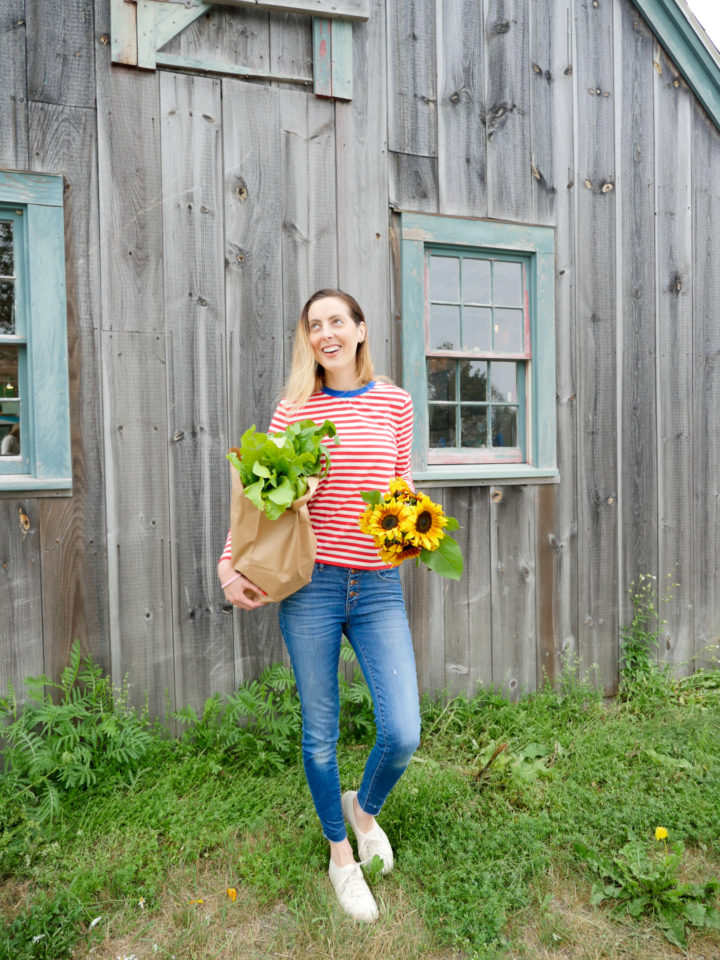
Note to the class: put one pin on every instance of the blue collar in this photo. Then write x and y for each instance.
(349, 393)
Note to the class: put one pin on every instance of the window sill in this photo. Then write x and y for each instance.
(11, 486)
(477, 475)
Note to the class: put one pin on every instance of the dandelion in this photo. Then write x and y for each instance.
(198, 900)
(661, 833)
(141, 903)
(232, 893)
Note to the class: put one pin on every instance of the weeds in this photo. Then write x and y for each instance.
(642, 681)
(646, 882)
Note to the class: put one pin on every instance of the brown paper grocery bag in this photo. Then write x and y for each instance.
(277, 555)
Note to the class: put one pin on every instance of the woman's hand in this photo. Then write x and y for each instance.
(240, 592)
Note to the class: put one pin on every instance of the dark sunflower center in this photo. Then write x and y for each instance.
(389, 521)
(424, 522)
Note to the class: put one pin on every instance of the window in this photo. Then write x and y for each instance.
(479, 348)
(34, 416)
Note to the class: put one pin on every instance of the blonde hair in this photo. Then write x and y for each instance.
(306, 374)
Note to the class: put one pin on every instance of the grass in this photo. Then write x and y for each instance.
(486, 861)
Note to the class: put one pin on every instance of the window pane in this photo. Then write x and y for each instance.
(503, 381)
(508, 284)
(476, 324)
(9, 402)
(504, 426)
(7, 268)
(442, 425)
(444, 327)
(473, 380)
(474, 426)
(476, 281)
(508, 330)
(445, 278)
(441, 379)
(7, 303)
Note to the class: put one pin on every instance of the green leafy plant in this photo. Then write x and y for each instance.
(258, 725)
(641, 679)
(274, 468)
(54, 746)
(640, 883)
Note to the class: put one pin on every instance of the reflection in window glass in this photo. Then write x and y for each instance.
(442, 425)
(441, 379)
(476, 281)
(507, 284)
(7, 307)
(445, 279)
(503, 381)
(444, 327)
(473, 426)
(9, 402)
(473, 380)
(7, 266)
(477, 329)
(508, 330)
(504, 426)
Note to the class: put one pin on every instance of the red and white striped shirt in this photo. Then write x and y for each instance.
(374, 426)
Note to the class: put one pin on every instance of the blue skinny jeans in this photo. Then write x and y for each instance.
(368, 607)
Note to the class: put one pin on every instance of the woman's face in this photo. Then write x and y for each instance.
(334, 337)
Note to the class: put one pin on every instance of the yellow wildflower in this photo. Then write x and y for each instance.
(660, 833)
(199, 900)
(232, 893)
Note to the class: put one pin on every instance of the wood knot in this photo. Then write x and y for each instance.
(496, 494)
(24, 520)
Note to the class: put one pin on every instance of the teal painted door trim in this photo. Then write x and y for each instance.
(332, 58)
(700, 66)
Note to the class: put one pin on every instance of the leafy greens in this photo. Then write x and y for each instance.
(274, 467)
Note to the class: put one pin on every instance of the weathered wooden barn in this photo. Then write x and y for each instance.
(525, 197)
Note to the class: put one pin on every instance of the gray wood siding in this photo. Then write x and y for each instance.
(202, 210)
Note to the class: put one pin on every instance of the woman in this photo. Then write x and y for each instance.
(352, 591)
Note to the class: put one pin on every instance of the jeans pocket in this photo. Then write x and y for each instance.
(392, 574)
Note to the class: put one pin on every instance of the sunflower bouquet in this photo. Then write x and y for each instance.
(406, 524)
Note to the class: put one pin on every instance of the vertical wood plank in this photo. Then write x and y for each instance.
(21, 643)
(462, 160)
(507, 109)
(72, 529)
(191, 110)
(255, 332)
(123, 30)
(414, 183)
(412, 77)
(134, 378)
(673, 175)
(425, 603)
(342, 59)
(136, 472)
(146, 39)
(597, 352)
(291, 45)
(362, 189)
(60, 52)
(322, 57)
(309, 210)
(237, 36)
(13, 94)
(512, 561)
(467, 626)
(637, 416)
(705, 152)
(551, 100)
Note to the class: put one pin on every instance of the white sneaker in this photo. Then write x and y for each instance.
(352, 892)
(369, 844)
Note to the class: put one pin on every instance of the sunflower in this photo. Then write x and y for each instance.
(387, 521)
(428, 522)
(399, 490)
(395, 553)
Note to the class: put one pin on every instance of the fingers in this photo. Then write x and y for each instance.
(245, 595)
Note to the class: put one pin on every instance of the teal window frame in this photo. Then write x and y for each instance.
(534, 246)
(35, 203)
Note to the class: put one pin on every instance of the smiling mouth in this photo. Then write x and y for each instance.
(331, 351)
